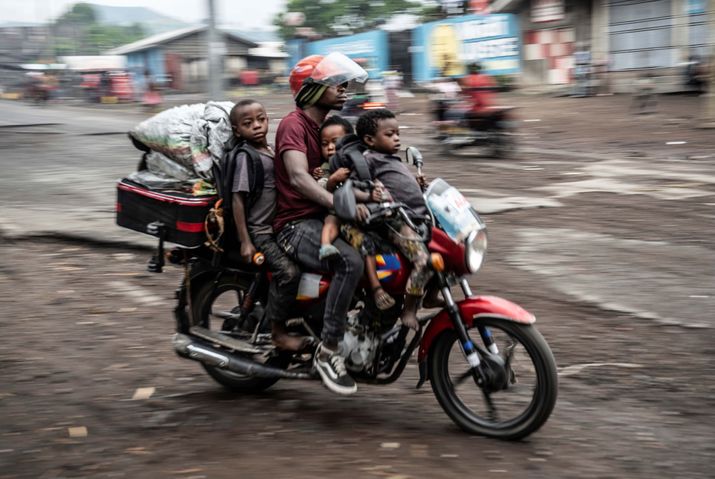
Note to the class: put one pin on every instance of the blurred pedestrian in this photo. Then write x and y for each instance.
(583, 71)
(446, 94)
(695, 74)
(105, 85)
(152, 97)
(644, 100)
(139, 84)
(602, 70)
(392, 81)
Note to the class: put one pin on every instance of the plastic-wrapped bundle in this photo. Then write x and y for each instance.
(191, 135)
(158, 181)
(169, 132)
(220, 134)
(162, 165)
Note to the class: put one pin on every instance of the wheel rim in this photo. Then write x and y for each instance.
(501, 409)
(224, 301)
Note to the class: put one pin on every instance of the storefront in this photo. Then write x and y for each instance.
(641, 34)
(553, 31)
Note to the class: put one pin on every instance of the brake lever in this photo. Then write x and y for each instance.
(407, 219)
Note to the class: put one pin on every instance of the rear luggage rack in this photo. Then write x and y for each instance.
(156, 263)
(173, 216)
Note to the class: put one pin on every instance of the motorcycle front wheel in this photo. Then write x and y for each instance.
(511, 412)
(211, 302)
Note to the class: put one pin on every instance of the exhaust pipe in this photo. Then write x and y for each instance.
(193, 348)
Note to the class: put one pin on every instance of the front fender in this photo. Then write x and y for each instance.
(471, 309)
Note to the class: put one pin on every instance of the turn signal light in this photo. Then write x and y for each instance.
(437, 262)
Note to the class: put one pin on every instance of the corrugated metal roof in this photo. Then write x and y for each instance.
(166, 37)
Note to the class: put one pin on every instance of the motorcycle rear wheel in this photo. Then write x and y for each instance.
(531, 396)
(210, 298)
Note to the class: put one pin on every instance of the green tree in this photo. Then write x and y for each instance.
(336, 17)
(78, 14)
(77, 32)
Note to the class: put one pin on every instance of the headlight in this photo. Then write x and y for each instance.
(475, 248)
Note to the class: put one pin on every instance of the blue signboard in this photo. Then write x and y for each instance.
(443, 48)
(369, 49)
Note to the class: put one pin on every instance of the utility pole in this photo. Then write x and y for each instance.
(709, 116)
(215, 56)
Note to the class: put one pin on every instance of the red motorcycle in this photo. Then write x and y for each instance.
(490, 369)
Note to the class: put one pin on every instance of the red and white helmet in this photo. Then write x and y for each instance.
(302, 70)
(330, 70)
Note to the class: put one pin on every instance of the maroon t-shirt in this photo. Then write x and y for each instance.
(297, 131)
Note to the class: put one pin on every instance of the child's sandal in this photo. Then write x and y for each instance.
(383, 300)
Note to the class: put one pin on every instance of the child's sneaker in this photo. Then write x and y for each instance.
(331, 367)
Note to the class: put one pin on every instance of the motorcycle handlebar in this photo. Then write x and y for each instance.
(386, 209)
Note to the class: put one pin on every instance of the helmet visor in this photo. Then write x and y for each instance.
(336, 69)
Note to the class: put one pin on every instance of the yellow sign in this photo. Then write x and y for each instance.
(444, 49)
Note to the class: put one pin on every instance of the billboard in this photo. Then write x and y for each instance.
(369, 49)
(444, 47)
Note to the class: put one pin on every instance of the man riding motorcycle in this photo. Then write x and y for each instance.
(319, 85)
(479, 88)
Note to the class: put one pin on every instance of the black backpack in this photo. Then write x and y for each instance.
(224, 174)
(349, 154)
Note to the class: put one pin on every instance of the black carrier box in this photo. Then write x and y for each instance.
(181, 214)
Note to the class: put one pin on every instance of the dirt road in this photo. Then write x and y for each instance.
(598, 227)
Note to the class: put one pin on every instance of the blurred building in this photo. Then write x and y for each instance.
(623, 37)
(180, 57)
(21, 44)
(597, 45)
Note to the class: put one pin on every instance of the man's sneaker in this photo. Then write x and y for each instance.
(332, 371)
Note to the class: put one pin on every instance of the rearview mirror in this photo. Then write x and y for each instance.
(414, 156)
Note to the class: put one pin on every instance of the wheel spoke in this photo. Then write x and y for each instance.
(492, 412)
(224, 315)
(462, 377)
(491, 408)
(508, 356)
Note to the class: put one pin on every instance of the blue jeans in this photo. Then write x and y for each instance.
(301, 241)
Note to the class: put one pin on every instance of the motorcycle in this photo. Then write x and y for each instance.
(494, 130)
(490, 369)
